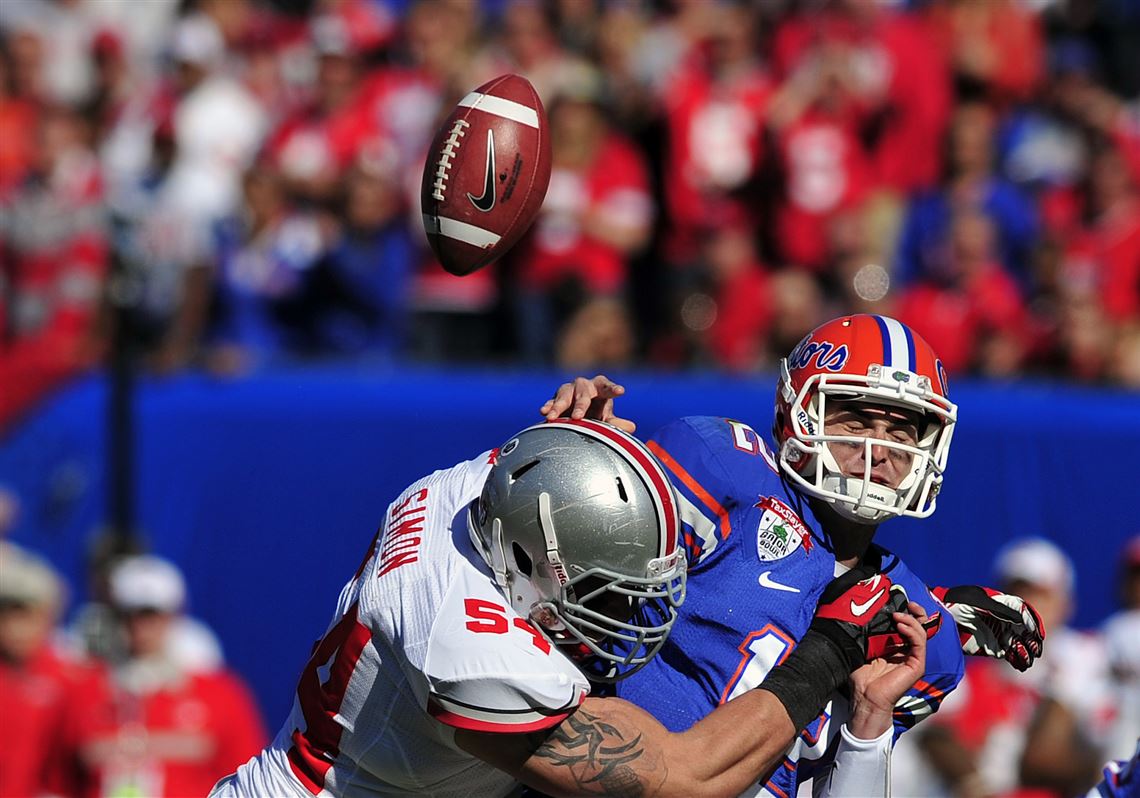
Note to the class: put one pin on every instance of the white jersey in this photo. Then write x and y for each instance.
(422, 643)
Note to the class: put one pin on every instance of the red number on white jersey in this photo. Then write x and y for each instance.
(491, 618)
(320, 693)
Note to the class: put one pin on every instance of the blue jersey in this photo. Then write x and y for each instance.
(1121, 779)
(758, 563)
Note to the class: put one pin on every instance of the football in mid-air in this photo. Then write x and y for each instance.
(486, 174)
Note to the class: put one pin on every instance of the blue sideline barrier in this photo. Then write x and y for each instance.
(267, 491)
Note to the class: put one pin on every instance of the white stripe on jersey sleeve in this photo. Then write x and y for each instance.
(703, 528)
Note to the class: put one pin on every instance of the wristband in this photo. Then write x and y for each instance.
(804, 682)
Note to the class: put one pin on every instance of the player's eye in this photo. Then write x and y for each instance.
(905, 435)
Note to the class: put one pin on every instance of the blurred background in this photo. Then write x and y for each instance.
(224, 341)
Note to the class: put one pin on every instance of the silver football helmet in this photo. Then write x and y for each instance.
(580, 526)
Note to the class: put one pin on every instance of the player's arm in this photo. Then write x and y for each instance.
(861, 765)
(610, 746)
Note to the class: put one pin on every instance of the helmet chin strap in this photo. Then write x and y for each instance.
(835, 481)
(853, 488)
(553, 553)
(498, 557)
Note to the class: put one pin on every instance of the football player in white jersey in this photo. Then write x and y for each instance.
(461, 656)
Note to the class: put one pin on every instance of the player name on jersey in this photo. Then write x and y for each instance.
(404, 532)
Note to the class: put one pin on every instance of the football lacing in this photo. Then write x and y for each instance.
(458, 131)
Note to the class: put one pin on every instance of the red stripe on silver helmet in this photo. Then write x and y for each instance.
(644, 463)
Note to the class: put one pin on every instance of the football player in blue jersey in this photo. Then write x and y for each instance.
(862, 432)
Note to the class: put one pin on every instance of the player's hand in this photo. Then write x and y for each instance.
(856, 610)
(588, 398)
(877, 686)
(992, 624)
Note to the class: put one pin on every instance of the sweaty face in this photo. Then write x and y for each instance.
(889, 465)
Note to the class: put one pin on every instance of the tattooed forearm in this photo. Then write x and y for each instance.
(600, 757)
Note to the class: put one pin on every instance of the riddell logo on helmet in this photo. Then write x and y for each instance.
(805, 421)
(827, 356)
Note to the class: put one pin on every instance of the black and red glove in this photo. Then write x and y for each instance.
(993, 624)
(860, 604)
(854, 623)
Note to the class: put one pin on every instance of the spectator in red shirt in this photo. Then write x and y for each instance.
(53, 261)
(994, 46)
(725, 315)
(1098, 280)
(312, 148)
(714, 110)
(897, 79)
(972, 311)
(825, 169)
(1037, 734)
(17, 128)
(597, 215)
(1115, 233)
(40, 690)
(162, 730)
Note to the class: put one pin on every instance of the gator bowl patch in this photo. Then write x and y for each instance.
(781, 531)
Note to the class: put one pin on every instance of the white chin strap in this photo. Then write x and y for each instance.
(855, 510)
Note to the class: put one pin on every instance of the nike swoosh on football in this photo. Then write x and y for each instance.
(486, 202)
(767, 581)
(859, 609)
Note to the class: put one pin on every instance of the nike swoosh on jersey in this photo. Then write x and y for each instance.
(486, 202)
(767, 581)
(859, 609)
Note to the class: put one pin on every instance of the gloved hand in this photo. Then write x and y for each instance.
(993, 624)
(856, 612)
(854, 622)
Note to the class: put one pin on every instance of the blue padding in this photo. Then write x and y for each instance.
(267, 491)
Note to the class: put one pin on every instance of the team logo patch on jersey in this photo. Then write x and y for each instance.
(781, 531)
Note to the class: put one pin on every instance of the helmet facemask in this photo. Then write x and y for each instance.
(613, 625)
(807, 459)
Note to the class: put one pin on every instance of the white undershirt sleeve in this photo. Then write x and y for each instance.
(861, 767)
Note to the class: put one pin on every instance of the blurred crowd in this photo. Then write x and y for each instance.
(230, 184)
(1047, 732)
(130, 699)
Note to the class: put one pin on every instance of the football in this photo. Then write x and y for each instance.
(486, 174)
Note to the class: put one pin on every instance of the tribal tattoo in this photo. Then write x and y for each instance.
(600, 757)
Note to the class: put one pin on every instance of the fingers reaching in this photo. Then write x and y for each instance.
(557, 404)
(587, 398)
(910, 627)
(597, 393)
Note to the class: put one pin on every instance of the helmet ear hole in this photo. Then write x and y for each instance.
(522, 560)
(517, 474)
